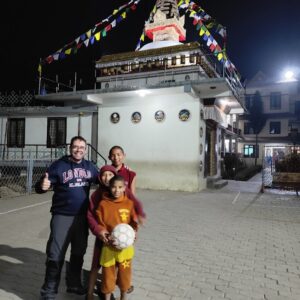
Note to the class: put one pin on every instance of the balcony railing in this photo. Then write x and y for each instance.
(234, 129)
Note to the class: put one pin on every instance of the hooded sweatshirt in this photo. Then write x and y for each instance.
(71, 185)
(97, 196)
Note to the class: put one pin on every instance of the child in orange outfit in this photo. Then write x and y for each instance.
(106, 173)
(113, 209)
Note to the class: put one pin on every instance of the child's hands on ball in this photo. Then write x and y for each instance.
(105, 236)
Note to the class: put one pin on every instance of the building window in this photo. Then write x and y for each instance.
(275, 101)
(248, 129)
(248, 101)
(275, 127)
(16, 133)
(56, 132)
(251, 151)
(297, 110)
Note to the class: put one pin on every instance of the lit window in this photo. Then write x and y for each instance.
(250, 151)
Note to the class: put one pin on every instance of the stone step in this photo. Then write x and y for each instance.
(215, 182)
(221, 183)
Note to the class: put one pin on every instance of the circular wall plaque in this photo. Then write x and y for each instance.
(201, 114)
(115, 117)
(201, 166)
(159, 116)
(136, 117)
(184, 115)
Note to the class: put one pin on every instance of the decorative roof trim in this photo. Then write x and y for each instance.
(148, 53)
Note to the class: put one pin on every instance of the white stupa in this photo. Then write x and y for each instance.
(165, 27)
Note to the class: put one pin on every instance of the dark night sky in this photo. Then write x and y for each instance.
(262, 35)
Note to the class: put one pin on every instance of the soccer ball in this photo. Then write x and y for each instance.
(123, 236)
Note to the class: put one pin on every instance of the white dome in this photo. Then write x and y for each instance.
(159, 44)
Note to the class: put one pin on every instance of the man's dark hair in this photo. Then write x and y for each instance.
(116, 178)
(78, 137)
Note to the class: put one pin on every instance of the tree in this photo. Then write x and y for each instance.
(257, 118)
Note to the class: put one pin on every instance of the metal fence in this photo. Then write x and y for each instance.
(18, 177)
(272, 155)
(21, 168)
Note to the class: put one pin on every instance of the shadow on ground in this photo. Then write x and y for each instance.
(22, 272)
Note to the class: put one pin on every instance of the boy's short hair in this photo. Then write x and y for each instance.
(78, 137)
(115, 147)
(116, 178)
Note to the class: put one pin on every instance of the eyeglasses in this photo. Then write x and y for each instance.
(78, 147)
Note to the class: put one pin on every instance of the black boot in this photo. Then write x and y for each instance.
(73, 276)
(52, 279)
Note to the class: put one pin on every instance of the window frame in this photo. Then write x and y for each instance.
(255, 151)
(275, 101)
(250, 130)
(18, 130)
(277, 128)
(248, 101)
(59, 142)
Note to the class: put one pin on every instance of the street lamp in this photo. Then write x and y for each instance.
(289, 75)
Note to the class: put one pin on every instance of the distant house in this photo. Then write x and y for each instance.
(282, 108)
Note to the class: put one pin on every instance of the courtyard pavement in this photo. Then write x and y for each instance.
(234, 243)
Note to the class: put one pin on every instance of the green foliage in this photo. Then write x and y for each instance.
(291, 164)
(232, 164)
(256, 115)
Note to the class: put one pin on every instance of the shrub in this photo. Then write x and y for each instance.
(291, 164)
(233, 163)
(247, 173)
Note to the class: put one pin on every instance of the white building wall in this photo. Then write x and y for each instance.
(36, 129)
(165, 154)
(86, 127)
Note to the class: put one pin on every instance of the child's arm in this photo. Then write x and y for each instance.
(133, 186)
(91, 215)
(138, 206)
(134, 219)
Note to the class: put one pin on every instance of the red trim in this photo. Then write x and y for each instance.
(149, 32)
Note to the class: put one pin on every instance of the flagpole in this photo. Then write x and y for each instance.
(40, 76)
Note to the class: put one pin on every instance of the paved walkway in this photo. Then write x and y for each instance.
(232, 244)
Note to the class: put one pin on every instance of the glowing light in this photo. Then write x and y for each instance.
(288, 75)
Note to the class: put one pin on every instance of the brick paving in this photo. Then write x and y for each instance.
(232, 244)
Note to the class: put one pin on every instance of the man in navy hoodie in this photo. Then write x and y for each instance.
(71, 178)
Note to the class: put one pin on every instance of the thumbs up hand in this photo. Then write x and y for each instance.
(45, 184)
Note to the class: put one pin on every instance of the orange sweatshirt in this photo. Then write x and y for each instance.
(112, 212)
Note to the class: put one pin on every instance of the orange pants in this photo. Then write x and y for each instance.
(120, 273)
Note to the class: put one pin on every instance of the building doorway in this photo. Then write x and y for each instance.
(210, 150)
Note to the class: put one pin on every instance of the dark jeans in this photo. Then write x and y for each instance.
(64, 230)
